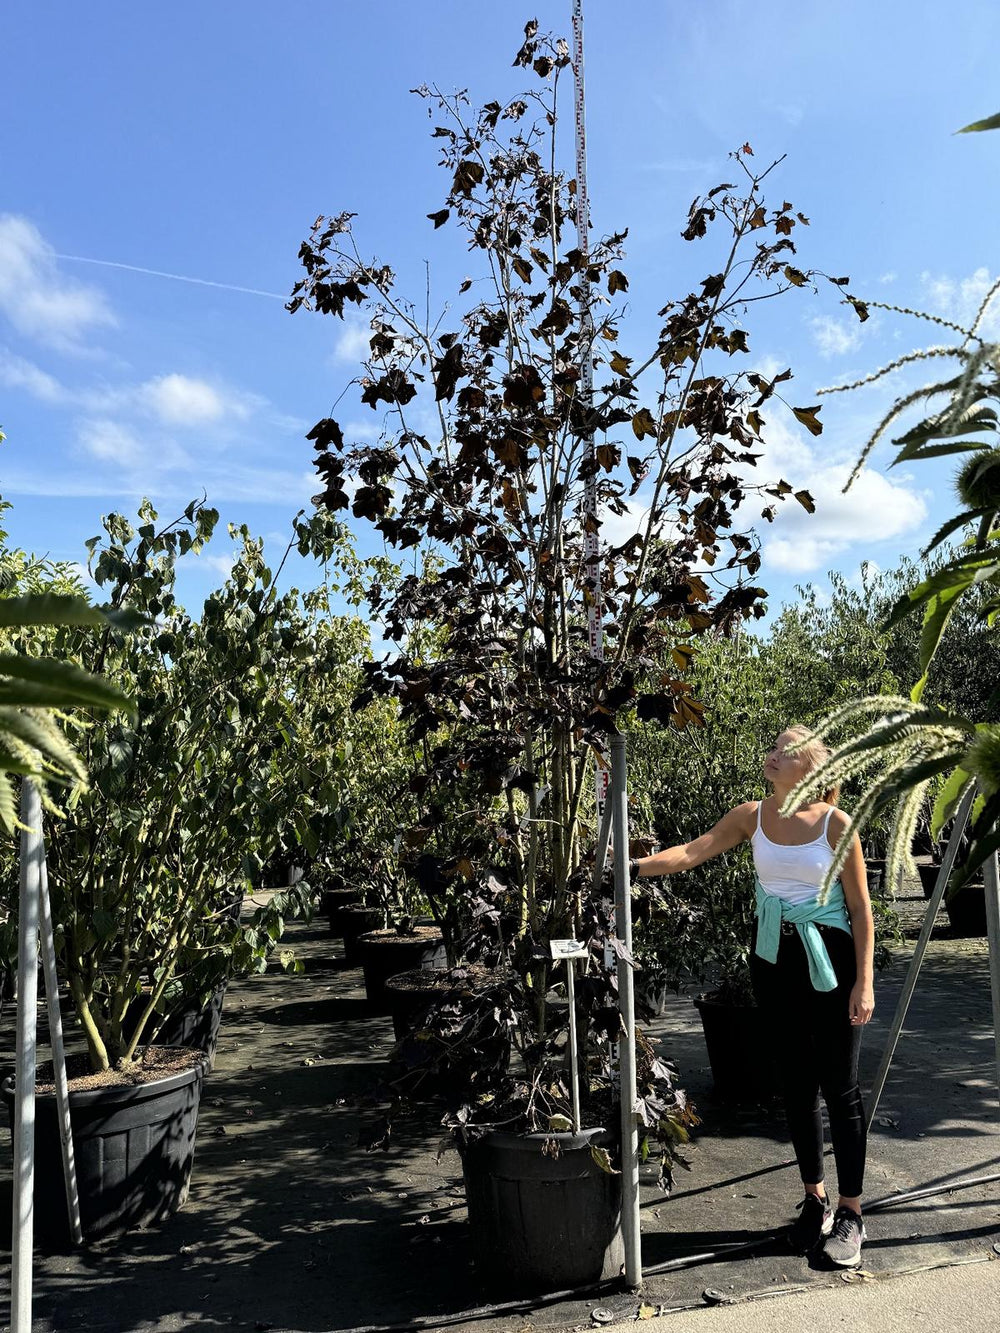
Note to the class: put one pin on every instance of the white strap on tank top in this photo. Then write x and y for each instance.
(826, 826)
(793, 872)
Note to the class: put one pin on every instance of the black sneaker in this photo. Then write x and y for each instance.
(843, 1245)
(815, 1222)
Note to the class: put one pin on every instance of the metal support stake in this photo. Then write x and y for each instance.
(909, 985)
(58, 1056)
(25, 1050)
(574, 1063)
(626, 1000)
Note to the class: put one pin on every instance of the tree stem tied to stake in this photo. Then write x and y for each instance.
(591, 533)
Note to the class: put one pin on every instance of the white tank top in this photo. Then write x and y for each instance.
(793, 873)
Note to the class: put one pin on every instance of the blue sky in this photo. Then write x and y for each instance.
(202, 140)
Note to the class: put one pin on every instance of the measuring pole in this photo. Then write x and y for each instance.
(591, 536)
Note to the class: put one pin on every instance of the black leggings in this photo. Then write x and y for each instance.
(815, 1048)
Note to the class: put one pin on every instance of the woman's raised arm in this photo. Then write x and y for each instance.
(732, 829)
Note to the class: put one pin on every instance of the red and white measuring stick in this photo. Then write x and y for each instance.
(591, 538)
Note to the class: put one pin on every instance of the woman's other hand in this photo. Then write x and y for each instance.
(862, 1002)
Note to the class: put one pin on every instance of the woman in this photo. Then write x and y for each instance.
(812, 974)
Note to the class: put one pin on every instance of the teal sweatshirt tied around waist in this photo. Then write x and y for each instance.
(771, 911)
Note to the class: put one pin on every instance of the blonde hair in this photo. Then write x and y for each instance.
(817, 753)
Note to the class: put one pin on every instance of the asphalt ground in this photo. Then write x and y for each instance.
(290, 1226)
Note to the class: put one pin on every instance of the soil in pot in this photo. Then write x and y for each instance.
(542, 1221)
(385, 953)
(738, 1051)
(133, 1140)
(349, 923)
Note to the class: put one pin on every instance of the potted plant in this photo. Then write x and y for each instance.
(510, 493)
(147, 868)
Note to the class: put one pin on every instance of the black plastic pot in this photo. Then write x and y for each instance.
(134, 1149)
(408, 1003)
(332, 900)
(190, 1023)
(385, 953)
(967, 912)
(352, 922)
(738, 1051)
(541, 1222)
(469, 1052)
(194, 1025)
(928, 878)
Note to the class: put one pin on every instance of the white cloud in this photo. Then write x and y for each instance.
(616, 529)
(17, 373)
(142, 455)
(173, 399)
(790, 112)
(220, 564)
(82, 573)
(110, 442)
(959, 299)
(891, 276)
(834, 337)
(181, 401)
(353, 342)
(768, 366)
(875, 509)
(362, 430)
(39, 301)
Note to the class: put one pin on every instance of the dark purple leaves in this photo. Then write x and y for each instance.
(326, 434)
(447, 370)
(468, 174)
(392, 387)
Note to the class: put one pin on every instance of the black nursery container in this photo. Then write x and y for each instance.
(385, 953)
(190, 1024)
(928, 878)
(542, 1222)
(353, 922)
(195, 1025)
(742, 1065)
(967, 911)
(134, 1150)
(332, 901)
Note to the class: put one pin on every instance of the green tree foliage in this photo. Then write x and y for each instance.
(38, 690)
(235, 748)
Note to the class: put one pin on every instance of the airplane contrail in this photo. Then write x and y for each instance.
(176, 277)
